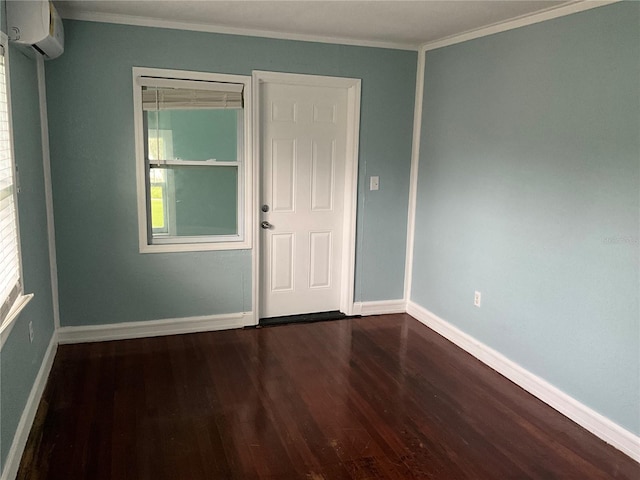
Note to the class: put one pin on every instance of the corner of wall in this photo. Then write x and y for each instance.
(413, 174)
(594, 422)
(12, 462)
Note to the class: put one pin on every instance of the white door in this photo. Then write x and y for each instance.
(303, 142)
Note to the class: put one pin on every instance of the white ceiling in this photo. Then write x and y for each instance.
(401, 23)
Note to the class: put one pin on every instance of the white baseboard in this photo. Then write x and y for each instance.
(380, 307)
(153, 328)
(584, 416)
(21, 436)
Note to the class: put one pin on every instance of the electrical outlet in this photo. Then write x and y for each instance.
(31, 331)
(477, 298)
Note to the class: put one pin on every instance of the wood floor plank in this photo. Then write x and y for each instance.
(372, 398)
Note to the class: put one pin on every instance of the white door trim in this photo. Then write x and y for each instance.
(353, 86)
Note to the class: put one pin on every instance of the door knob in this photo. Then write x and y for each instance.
(266, 225)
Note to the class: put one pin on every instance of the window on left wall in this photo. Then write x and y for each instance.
(12, 296)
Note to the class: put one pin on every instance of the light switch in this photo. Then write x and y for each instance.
(374, 183)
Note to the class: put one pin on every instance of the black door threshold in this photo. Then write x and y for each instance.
(303, 318)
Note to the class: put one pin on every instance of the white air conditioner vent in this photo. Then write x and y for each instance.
(38, 24)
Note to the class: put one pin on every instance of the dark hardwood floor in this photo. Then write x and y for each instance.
(370, 398)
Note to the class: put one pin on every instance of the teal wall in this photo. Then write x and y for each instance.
(102, 276)
(20, 360)
(529, 193)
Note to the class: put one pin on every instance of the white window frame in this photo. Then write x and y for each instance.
(8, 320)
(241, 241)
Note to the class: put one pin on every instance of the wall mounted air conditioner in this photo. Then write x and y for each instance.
(38, 24)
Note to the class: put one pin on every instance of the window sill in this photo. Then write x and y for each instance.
(194, 247)
(9, 321)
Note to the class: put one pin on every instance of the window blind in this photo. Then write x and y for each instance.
(166, 94)
(10, 288)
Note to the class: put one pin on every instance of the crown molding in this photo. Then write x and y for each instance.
(529, 19)
(568, 8)
(200, 27)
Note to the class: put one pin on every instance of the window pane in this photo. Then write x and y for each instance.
(202, 134)
(157, 207)
(199, 201)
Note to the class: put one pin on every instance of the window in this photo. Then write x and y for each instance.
(193, 162)
(12, 297)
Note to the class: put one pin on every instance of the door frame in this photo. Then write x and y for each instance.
(348, 261)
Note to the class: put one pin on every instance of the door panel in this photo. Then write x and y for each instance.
(322, 175)
(320, 260)
(283, 174)
(282, 254)
(303, 138)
